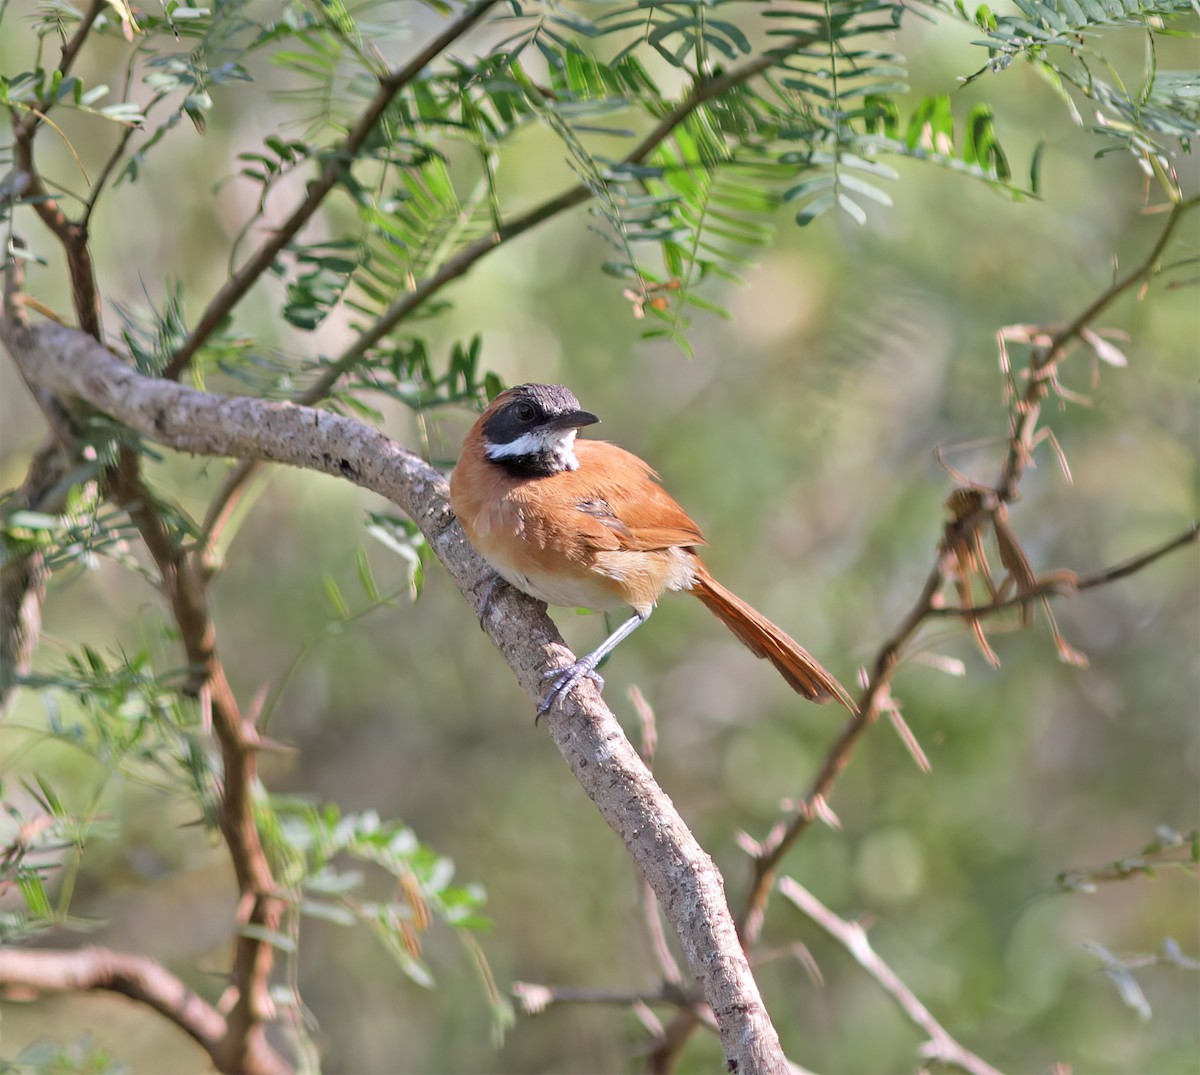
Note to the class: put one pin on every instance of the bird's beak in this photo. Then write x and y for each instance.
(572, 420)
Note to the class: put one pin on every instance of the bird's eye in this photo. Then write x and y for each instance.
(526, 412)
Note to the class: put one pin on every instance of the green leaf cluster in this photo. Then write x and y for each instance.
(1064, 40)
(312, 843)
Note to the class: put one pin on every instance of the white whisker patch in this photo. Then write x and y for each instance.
(556, 444)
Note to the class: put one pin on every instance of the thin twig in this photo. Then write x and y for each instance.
(73, 47)
(225, 500)
(870, 707)
(851, 935)
(114, 157)
(237, 286)
(787, 831)
(105, 172)
(70, 53)
(535, 998)
(1026, 414)
(1169, 849)
(668, 968)
(1069, 586)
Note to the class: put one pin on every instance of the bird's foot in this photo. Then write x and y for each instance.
(565, 679)
(488, 585)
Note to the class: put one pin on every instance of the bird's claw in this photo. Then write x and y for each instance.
(488, 584)
(565, 679)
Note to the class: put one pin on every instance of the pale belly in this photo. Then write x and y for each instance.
(554, 589)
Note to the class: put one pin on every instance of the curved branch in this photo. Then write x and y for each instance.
(137, 977)
(683, 876)
(462, 262)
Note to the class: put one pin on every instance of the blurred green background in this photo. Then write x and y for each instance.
(800, 438)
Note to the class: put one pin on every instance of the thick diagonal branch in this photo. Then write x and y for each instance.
(683, 876)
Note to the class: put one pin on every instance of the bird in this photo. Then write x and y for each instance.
(586, 524)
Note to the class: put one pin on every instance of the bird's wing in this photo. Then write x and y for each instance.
(623, 505)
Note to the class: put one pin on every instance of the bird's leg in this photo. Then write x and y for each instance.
(566, 678)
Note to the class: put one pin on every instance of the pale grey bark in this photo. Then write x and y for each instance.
(688, 885)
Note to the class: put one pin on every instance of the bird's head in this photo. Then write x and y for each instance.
(531, 428)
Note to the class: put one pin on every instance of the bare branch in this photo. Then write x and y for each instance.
(958, 532)
(236, 287)
(1026, 414)
(137, 977)
(1068, 584)
(941, 1046)
(871, 705)
(686, 881)
(535, 998)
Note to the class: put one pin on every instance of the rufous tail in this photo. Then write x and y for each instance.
(802, 671)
